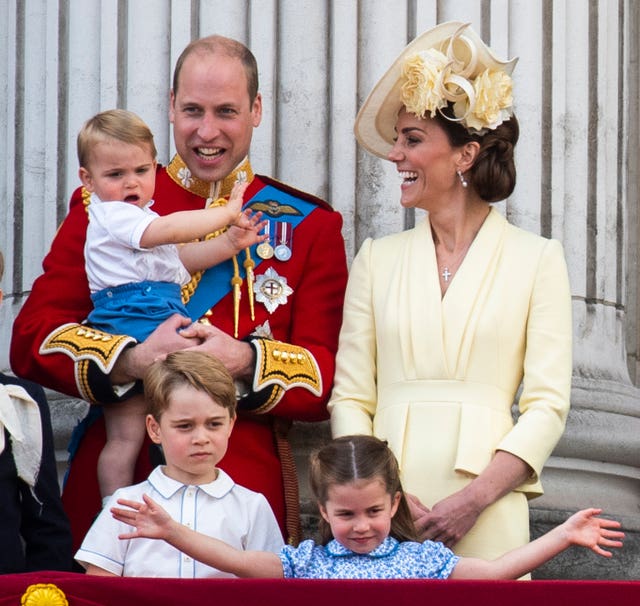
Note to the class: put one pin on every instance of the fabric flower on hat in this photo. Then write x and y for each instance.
(482, 100)
(422, 86)
(493, 101)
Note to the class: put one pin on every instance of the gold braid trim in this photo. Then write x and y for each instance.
(189, 288)
(249, 264)
(236, 281)
(236, 284)
(82, 381)
(81, 342)
(86, 197)
(285, 365)
(276, 395)
(180, 174)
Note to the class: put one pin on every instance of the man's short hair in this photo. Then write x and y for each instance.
(215, 44)
(197, 369)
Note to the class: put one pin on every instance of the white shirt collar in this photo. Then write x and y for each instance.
(167, 486)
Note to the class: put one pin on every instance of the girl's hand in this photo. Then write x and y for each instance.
(151, 521)
(584, 528)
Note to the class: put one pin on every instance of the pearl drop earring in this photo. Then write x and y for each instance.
(463, 181)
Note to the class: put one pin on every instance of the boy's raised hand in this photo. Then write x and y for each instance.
(151, 521)
(584, 528)
(245, 232)
(234, 205)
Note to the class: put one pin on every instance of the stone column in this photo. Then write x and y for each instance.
(586, 139)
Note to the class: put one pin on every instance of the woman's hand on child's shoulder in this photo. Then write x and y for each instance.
(586, 529)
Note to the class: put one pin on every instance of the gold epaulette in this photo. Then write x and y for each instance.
(81, 342)
(285, 365)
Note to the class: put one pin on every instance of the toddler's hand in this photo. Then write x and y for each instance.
(245, 232)
(234, 206)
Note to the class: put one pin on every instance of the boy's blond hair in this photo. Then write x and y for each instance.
(113, 124)
(194, 368)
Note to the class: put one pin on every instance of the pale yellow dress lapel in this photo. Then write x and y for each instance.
(468, 292)
(418, 290)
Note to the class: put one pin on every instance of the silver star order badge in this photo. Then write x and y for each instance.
(272, 290)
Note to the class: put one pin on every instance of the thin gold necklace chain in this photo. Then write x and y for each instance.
(449, 269)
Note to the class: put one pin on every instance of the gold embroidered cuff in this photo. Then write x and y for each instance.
(81, 342)
(286, 366)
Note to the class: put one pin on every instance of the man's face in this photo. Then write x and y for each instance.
(212, 116)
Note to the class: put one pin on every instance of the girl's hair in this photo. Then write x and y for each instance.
(351, 458)
(113, 124)
(193, 368)
(493, 174)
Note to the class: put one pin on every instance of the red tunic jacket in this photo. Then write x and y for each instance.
(295, 362)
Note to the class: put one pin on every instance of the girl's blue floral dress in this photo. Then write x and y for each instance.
(390, 560)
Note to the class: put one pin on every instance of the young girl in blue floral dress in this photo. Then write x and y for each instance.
(366, 529)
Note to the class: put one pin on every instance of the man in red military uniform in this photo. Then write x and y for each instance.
(271, 315)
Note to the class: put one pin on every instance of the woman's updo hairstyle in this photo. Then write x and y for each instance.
(493, 174)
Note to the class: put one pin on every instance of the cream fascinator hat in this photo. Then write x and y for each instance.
(449, 63)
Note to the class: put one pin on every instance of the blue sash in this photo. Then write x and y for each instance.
(215, 283)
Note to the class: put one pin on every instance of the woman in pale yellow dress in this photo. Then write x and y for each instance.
(444, 322)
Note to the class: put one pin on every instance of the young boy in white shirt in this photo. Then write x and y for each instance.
(192, 401)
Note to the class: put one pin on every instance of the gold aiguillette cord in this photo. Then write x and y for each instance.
(236, 280)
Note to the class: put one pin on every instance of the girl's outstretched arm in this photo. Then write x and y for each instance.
(583, 528)
(153, 522)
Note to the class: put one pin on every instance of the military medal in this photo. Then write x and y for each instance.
(264, 249)
(282, 252)
(284, 235)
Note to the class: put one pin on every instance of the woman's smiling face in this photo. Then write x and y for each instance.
(426, 162)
